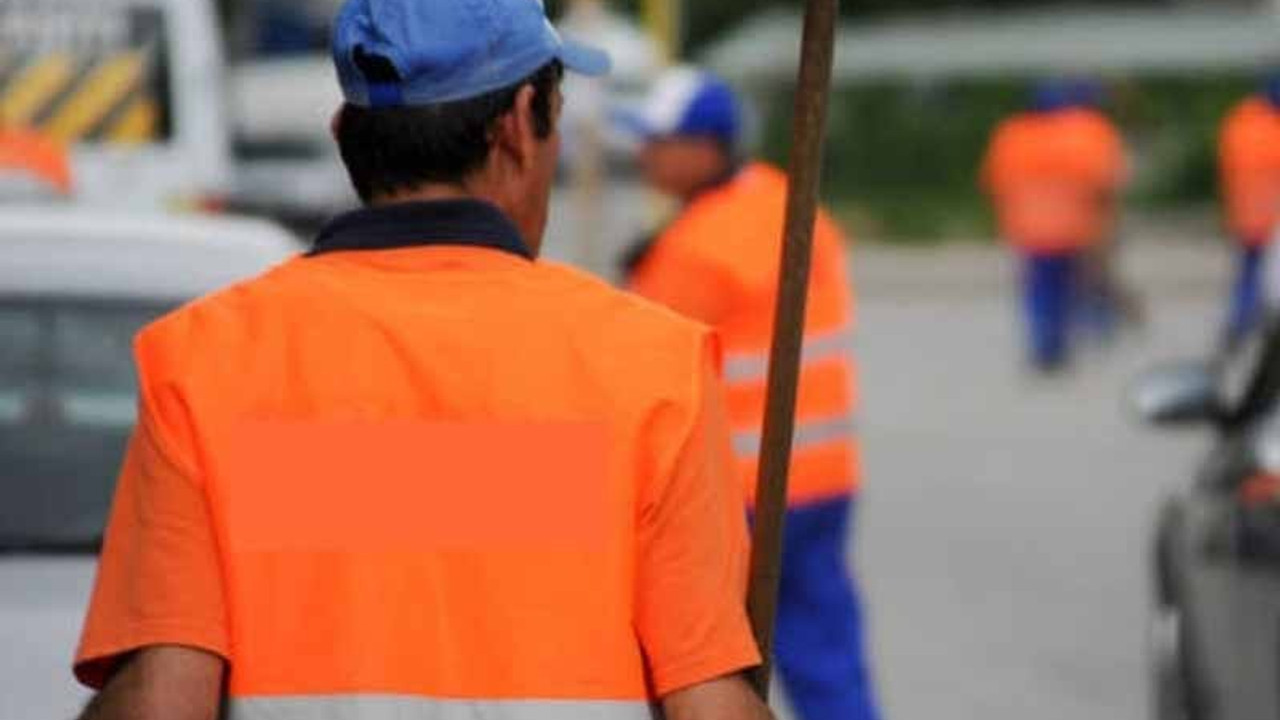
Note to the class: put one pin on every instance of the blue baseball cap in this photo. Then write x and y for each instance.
(1088, 93)
(1049, 96)
(392, 53)
(1067, 93)
(687, 102)
(1271, 89)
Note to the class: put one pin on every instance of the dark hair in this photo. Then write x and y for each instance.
(392, 149)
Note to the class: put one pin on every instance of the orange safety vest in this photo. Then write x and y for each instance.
(1249, 159)
(1048, 173)
(35, 155)
(719, 263)
(422, 475)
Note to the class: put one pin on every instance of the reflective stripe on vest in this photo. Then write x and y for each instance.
(807, 435)
(401, 707)
(818, 347)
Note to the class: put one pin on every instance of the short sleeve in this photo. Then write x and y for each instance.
(692, 567)
(1111, 165)
(991, 173)
(159, 581)
(1119, 170)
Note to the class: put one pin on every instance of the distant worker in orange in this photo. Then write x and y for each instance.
(717, 262)
(1249, 159)
(32, 165)
(1053, 173)
(1107, 302)
(417, 472)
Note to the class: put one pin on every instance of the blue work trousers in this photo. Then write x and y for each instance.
(1246, 294)
(1049, 291)
(819, 642)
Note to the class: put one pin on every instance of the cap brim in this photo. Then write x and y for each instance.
(584, 59)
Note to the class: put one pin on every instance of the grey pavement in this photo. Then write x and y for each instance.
(1003, 531)
(1004, 525)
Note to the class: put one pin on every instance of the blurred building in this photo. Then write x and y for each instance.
(1191, 36)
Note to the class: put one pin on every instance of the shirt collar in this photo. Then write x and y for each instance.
(464, 222)
(730, 174)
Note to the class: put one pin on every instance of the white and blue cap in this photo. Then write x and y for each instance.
(688, 102)
(392, 53)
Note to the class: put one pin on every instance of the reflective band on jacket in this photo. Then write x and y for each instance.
(747, 367)
(738, 300)
(807, 434)
(400, 707)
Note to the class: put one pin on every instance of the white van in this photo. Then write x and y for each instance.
(133, 86)
(76, 284)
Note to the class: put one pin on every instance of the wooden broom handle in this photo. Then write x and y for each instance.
(812, 98)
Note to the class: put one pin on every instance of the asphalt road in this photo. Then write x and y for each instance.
(1003, 532)
(1004, 526)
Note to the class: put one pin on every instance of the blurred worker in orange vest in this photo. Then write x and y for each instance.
(418, 472)
(32, 165)
(718, 263)
(1106, 301)
(1249, 158)
(1054, 173)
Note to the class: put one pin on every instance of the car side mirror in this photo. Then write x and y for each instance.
(1177, 394)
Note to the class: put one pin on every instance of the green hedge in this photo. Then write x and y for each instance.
(706, 20)
(902, 159)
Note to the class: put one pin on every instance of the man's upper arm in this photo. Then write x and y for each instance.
(162, 683)
(692, 565)
(159, 578)
(726, 698)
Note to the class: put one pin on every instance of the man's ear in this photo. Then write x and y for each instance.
(516, 134)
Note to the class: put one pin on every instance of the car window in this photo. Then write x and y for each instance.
(19, 348)
(86, 71)
(279, 150)
(67, 406)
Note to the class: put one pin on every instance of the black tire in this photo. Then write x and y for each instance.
(1170, 693)
(1175, 693)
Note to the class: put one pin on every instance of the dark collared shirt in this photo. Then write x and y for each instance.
(465, 222)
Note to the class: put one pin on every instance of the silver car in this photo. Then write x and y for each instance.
(1215, 565)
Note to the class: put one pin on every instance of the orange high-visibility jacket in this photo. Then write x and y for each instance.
(718, 263)
(36, 154)
(1049, 175)
(419, 474)
(1249, 160)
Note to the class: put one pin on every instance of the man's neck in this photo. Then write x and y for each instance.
(439, 192)
(426, 193)
(723, 176)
